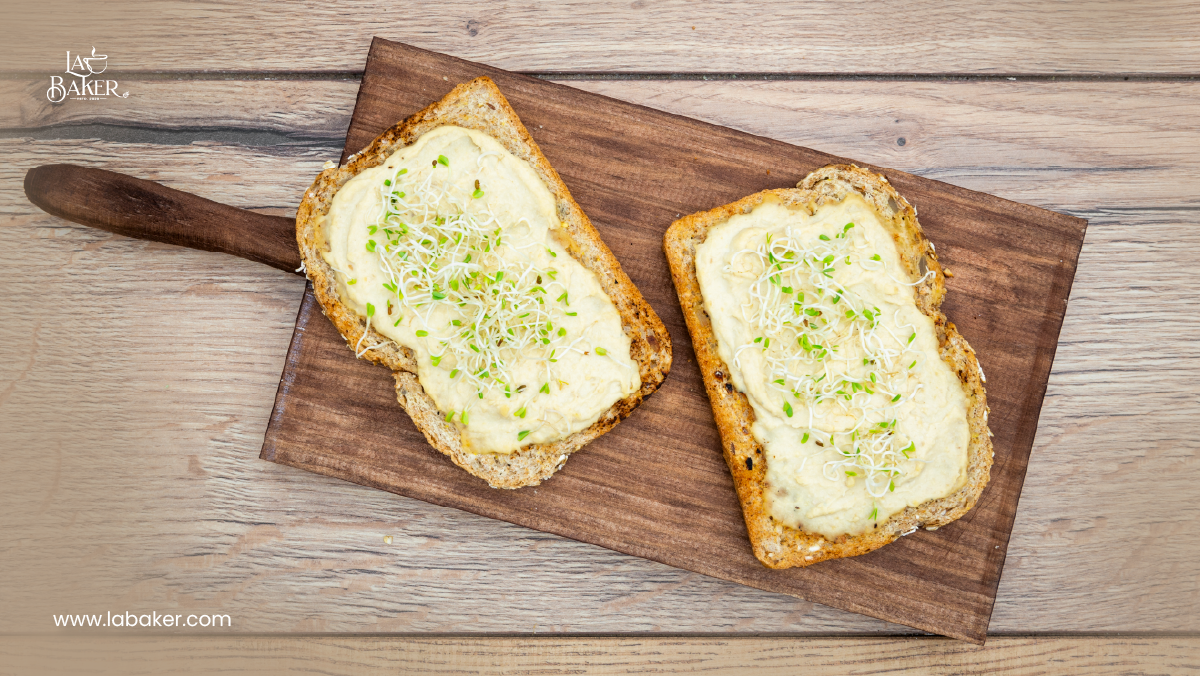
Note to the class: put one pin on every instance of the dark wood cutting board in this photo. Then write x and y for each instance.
(657, 486)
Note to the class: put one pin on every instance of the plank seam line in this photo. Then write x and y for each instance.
(621, 636)
(353, 75)
(182, 136)
(873, 77)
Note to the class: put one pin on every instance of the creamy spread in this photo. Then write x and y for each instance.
(452, 248)
(817, 319)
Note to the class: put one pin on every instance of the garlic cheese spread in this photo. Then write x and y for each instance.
(816, 317)
(452, 248)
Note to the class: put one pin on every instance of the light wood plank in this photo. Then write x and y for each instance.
(91, 654)
(926, 36)
(1077, 145)
(306, 109)
(154, 499)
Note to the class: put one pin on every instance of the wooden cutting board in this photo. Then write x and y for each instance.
(657, 486)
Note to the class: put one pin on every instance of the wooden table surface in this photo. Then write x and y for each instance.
(136, 379)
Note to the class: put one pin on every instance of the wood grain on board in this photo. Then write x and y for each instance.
(149, 493)
(656, 486)
(331, 655)
(748, 36)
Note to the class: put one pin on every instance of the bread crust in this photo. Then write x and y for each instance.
(777, 545)
(479, 105)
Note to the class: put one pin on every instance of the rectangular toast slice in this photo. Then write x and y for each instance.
(479, 105)
(775, 544)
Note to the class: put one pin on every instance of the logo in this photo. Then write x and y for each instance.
(85, 86)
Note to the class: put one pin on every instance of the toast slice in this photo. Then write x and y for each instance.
(479, 105)
(778, 545)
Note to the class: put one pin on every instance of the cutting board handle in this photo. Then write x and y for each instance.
(147, 210)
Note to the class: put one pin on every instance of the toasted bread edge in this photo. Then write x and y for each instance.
(479, 104)
(777, 545)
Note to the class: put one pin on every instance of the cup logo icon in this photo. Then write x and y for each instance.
(82, 68)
